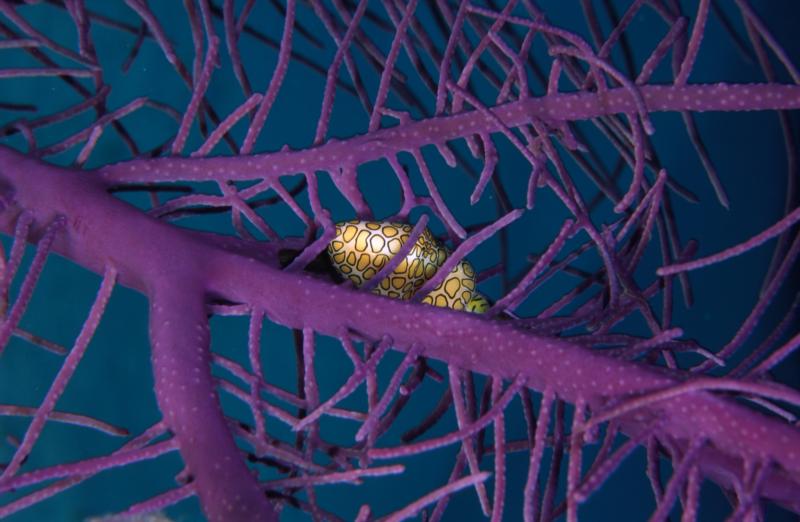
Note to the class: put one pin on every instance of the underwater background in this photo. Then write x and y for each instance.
(114, 381)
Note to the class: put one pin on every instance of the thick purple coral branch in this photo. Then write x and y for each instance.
(185, 392)
(93, 236)
(178, 324)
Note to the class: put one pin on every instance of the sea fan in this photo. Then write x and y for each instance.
(621, 176)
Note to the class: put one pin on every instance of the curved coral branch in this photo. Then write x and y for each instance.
(186, 396)
(178, 325)
(555, 108)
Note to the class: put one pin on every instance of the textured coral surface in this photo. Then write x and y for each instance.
(621, 175)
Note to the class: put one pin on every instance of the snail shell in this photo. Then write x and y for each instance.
(479, 304)
(361, 248)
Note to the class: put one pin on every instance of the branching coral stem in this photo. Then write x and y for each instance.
(414, 135)
(298, 300)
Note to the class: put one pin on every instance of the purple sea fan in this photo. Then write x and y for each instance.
(201, 154)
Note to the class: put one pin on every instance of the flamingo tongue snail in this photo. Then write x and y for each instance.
(361, 248)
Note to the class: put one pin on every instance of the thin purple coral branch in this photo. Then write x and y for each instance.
(385, 142)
